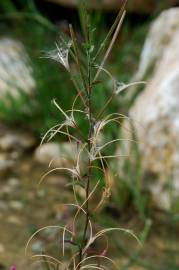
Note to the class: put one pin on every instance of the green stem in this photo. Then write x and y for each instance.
(89, 173)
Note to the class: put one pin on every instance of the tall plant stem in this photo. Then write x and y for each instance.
(89, 169)
(110, 45)
(73, 37)
(78, 90)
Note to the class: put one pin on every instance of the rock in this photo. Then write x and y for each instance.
(138, 6)
(37, 246)
(6, 190)
(16, 205)
(159, 37)
(5, 163)
(14, 220)
(14, 183)
(156, 110)
(13, 143)
(59, 155)
(15, 71)
(11, 186)
(14, 155)
(14, 139)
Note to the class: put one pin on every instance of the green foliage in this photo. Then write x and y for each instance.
(50, 80)
(7, 6)
(39, 112)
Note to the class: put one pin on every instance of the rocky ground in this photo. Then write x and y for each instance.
(25, 207)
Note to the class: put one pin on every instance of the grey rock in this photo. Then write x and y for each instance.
(37, 246)
(13, 140)
(16, 205)
(5, 163)
(14, 220)
(155, 112)
(161, 33)
(15, 70)
(57, 155)
(14, 182)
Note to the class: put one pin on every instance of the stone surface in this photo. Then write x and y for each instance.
(15, 70)
(16, 205)
(14, 183)
(11, 186)
(161, 33)
(58, 155)
(138, 6)
(13, 144)
(14, 220)
(5, 163)
(155, 112)
(16, 140)
(12, 139)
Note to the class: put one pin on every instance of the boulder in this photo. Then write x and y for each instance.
(58, 155)
(12, 139)
(13, 144)
(15, 70)
(138, 6)
(5, 163)
(17, 140)
(155, 112)
(161, 33)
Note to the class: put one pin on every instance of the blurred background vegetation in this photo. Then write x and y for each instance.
(38, 25)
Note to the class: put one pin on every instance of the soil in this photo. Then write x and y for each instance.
(26, 207)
